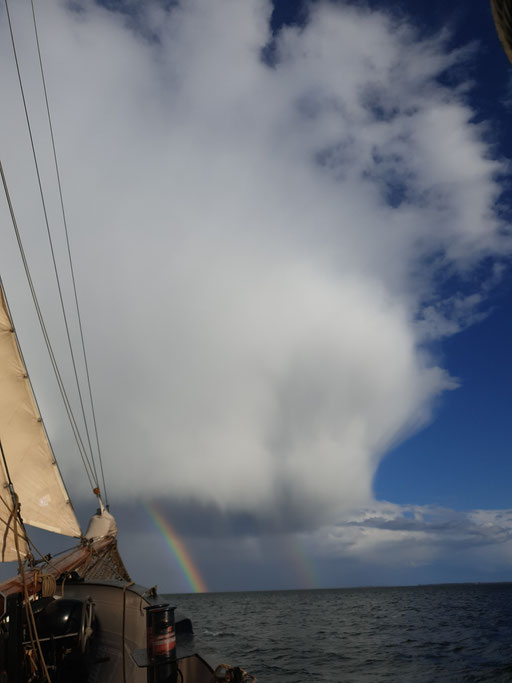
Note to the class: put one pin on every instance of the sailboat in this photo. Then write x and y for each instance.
(77, 616)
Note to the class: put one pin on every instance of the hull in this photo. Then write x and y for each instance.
(109, 647)
(106, 643)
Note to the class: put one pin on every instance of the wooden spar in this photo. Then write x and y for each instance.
(502, 15)
(56, 566)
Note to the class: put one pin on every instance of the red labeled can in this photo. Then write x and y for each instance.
(161, 633)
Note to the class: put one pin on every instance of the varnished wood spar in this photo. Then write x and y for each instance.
(66, 563)
(502, 15)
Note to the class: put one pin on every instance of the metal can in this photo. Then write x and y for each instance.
(161, 643)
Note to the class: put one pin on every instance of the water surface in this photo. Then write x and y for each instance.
(423, 633)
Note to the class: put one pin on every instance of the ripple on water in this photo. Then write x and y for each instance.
(421, 634)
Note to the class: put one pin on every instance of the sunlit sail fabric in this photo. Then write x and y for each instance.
(30, 461)
(11, 548)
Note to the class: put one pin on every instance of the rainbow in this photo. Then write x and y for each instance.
(301, 561)
(190, 571)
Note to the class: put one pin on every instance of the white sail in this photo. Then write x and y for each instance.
(12, 546)
(29, 461)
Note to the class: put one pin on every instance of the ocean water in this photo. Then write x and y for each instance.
(417, 634)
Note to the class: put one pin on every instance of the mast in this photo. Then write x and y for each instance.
(502, 15)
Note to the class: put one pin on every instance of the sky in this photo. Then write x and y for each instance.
(290, 226)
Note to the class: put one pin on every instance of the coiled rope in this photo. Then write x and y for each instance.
(227, 674)
(48, 584)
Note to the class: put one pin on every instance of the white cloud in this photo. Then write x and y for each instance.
(258, 247)
(411, 535)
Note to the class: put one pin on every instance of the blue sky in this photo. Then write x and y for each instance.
(295, 280)
(462, 459)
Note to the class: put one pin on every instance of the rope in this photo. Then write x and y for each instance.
(48, 584)
(43, 557)
(45, 334)
(149, 591)
(225, 672)
(61, 298)
(66, 575)
(31, 622)
(101, 559)
(64, 220)
(8, 524)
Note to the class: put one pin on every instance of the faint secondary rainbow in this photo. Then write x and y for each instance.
(190, 571)
(301, 561)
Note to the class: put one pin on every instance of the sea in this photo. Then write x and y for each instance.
(455, 632)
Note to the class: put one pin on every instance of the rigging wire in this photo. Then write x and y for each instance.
(20, 351)
(15, 517)
(76, 433)
(32, 627)
(64, 219)
(84, 454)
